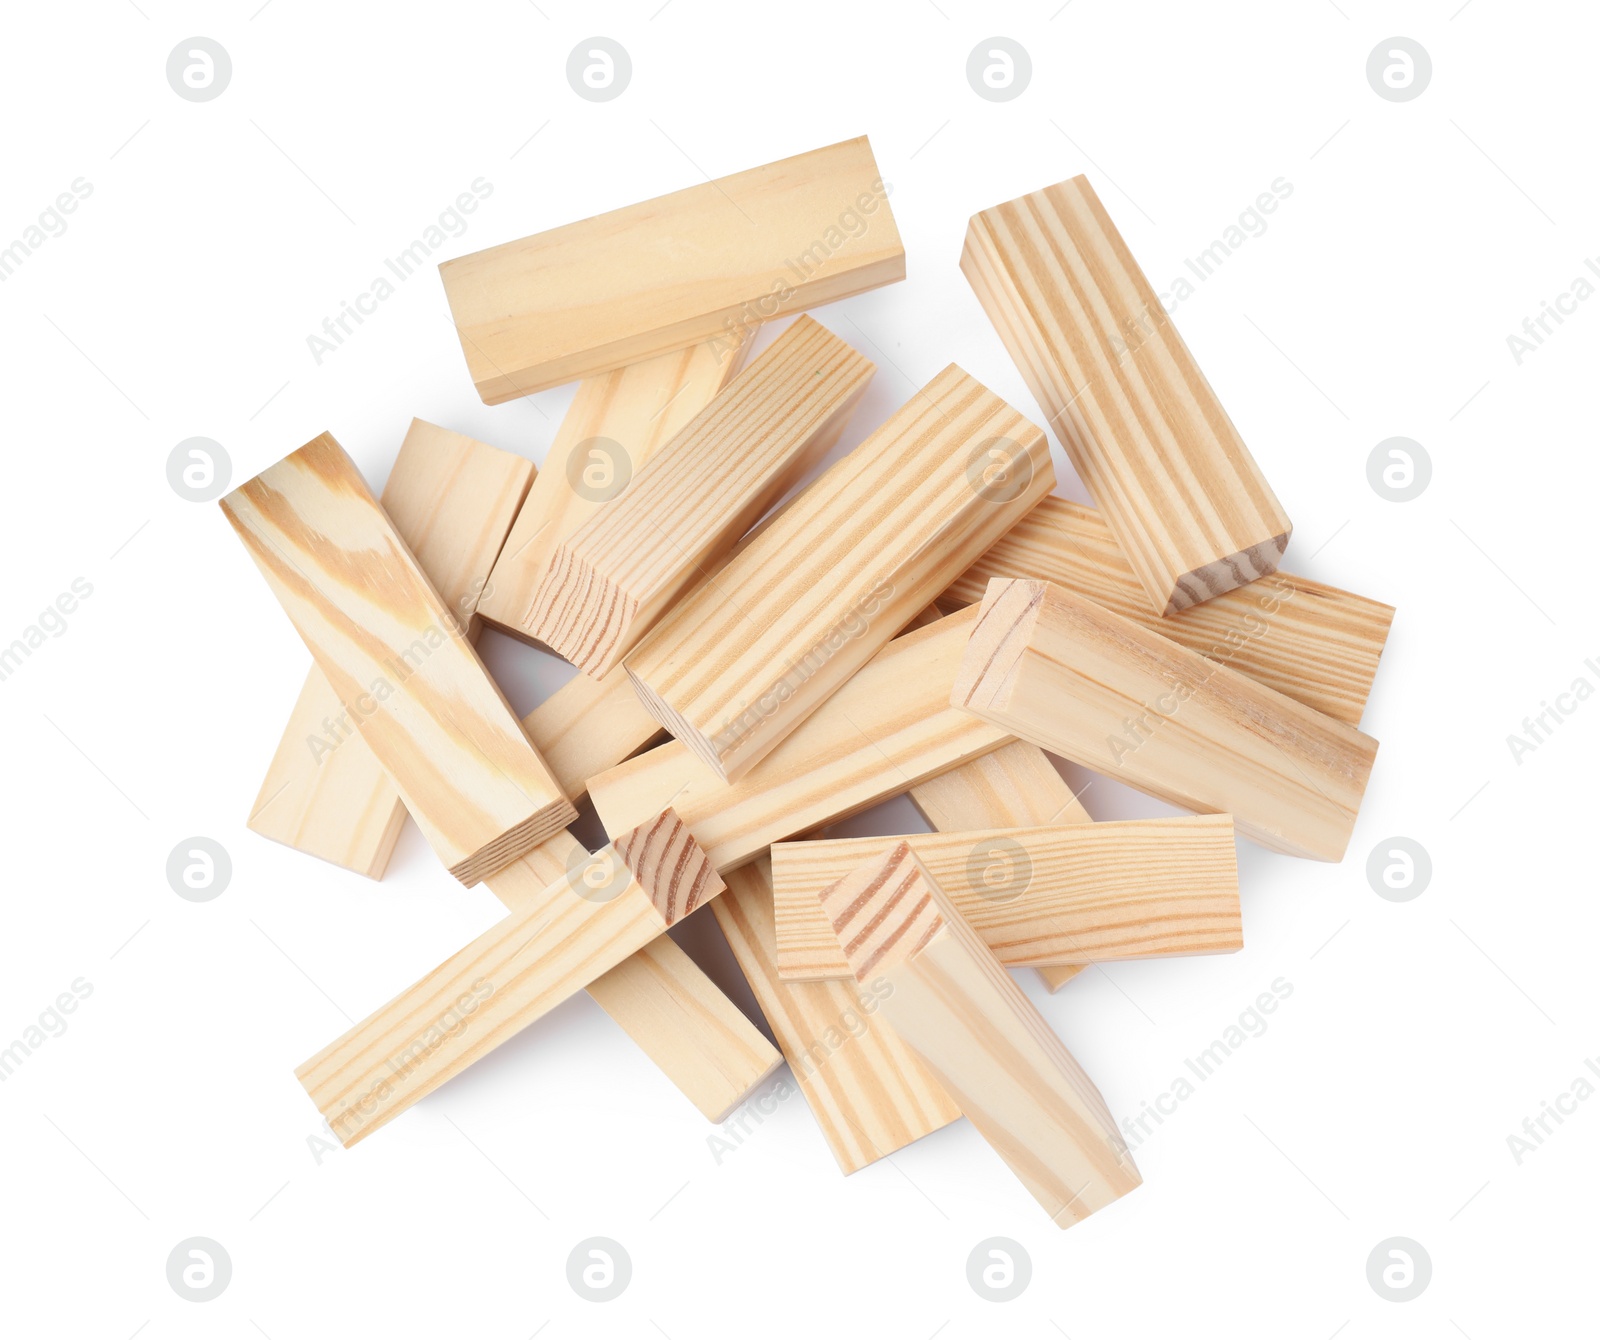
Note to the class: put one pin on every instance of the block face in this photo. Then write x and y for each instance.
(712, 260)
(1145, 432)
(740, 662)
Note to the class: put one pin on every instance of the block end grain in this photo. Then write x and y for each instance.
(1228, 573)
(669, 865)
(999, 637)
(882, 911)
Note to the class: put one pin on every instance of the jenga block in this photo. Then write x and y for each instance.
(610, 581)
(581, 926)
(394, 653)
(451, 500)
(741, 661)
(715, 259)
(956, 1007)
(1313, 643)
(589, 725)
(1143, 428)
(1068, 893)
(868, 1091)
(890, 727)
(1101, 691)
(614, 425)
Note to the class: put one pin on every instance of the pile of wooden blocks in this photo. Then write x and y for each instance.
(923, 618)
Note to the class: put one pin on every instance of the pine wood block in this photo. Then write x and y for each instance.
(715, 259)
(392, 650)
(614, 425)
(610, 581)
(1143, 428)
(1103, 692)
(1014, 787)
(742, 661)
(1067, 893)
(589, 725)
(452, 500)
(558, 942)
(954, 1004)
(1314, 643)
(868, 1091)
(890, 727)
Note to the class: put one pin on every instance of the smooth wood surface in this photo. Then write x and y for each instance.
(452, 500)
(589, 725)
(717, 258)
(1068, 893)
(742, 661)
(1144, 430)
(1309, 641)
(1105, 693)
(890, 727)
(580, 926)
(621, 416)
(868, 1091)
(393, 652)
(610, 581)
(956, 1006)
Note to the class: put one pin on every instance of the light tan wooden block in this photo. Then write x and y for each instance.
(393, 651)
(954, 1005)
(718, 258)
(1068, 893)
(610, 581)
(452, 500)
(890, 727)
(742, 661)
(589, 725)
(868, 1091)
(614, 425)
(1103, 692)
(582, 925)
(1143, 428)
(1311, 642)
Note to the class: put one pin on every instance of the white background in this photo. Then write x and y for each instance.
(1419, 1035)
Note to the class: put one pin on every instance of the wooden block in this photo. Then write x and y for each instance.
(1105, 693)
(1141, 425)
(589, 725)
(1314, 643)
(957, 1008)
(890, 727)
(1068, 893)
(717, 258)
(740, 662)
(581, 926)
(394, 653)
(615, 424)
(868, 1091)
(610, 581)
(452, 500)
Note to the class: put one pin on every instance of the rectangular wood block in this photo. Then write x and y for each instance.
(890, 727)
(1068, 893)
(741, 661)
(393, 652)
(1314, 643)
(610, 580)
(1143, 428)
(452, 500)
(1101, 691)
(715, 259)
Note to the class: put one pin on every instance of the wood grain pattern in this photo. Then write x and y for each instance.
(1143, 428)
(1068, 893)
(610, 581)
(890, 727)
(1103, 692)
(582, 925)
(626, 415)
(715, 259)
(394, 654)
(452, 500)
(1309, 641)
(868, 1091)
(740, 662)
(954, 1004)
